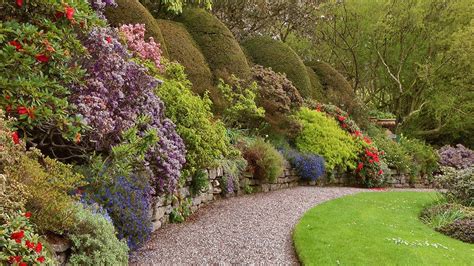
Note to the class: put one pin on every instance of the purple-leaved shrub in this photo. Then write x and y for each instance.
(458, 157)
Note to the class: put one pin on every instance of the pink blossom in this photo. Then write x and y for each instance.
(135, 37)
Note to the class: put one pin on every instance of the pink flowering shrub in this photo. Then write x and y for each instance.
(135, 39)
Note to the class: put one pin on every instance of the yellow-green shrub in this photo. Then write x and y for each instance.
(322, 135)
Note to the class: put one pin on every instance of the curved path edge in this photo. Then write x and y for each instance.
(251, 229)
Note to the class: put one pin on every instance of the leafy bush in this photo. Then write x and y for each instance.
(336, 90)
(424, 156)
(36, 55)
(278, 97)
(199, 182)
(281, 58)
(33, 174)
(459, 157)
(308, 166)
(120, 184)
(218, 45)
(116, 92)
(322, 135)
(241, 109)
(381, 115)
(392, 152)
(371, 167)
(180, 213)
(187, 53)
(461, 229)
(233, 168)
(444, 213)
(459, 185)
(205, 137)
(264, 161)
(94, 240)
(19, 244)
(316, 87)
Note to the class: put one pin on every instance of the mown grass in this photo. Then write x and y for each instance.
(376, 229)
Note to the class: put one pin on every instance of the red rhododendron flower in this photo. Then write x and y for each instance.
(16, 44)
(40, 259)
(380, 172)
(15, 138)
(344, 125)
(77, 138)
(29, 244)
(108, 39)
(42, 58)
(19, 3)
(39, 247)
(28, 214)
(17, 236)
(8, 108)
(341, 118)
(367, 140)
(22, 110)
(357, 133)
(360, 166)
(14, 259)
(22, 264)
(69, 13)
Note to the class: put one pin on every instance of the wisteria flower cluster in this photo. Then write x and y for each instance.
(100, 5)
(458, 157)
(135, 39)
(116, 92)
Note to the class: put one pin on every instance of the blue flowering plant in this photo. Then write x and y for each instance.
(308, 166)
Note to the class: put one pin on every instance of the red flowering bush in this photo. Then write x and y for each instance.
(370, 163)
(19, 244)
(38, 40)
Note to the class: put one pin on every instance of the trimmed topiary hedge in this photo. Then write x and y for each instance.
(133, 12)
(281, 58)
(316, 87)
(337, 90)
(183, 49)
(218, 45)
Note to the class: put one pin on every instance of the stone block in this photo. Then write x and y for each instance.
(184, 192)
(210, 197)
(212, 174)
(194, 209)
(197, 200)
(274, 186)
(160, 212)
(168, 209)
(156, 225)
(265, 187)
(217, 190)
(220, 171)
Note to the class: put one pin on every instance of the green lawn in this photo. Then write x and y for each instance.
(376, 229)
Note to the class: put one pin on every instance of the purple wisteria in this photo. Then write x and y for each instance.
(100, 5)
(116, 92)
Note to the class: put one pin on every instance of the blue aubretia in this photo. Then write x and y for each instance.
(127, 201)
(308, 166)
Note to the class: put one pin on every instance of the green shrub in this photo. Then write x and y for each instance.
(316, 87)
(33, 174)
(218, 45)
(338, 91)
(133, 12)
(395, 156)
(183, 210)
(94, 240)
(264, 161)
(425, 158)
(459, 185)
(278, 96)
(182, 48)
(199, 182)
(281, 58)
(241, 109)
(322, 135)
(461, 229)
(205, 137)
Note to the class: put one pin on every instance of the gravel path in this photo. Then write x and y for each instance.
(252, 229)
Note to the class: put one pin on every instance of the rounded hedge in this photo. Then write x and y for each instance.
(133, 12)
(218, 45)
(183, 49)
(316, 87)
(281, 58)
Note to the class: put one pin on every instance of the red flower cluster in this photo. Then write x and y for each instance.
(374, 155)
(17, 236)
(19, 3)
(16, 44)
(42, 58)
(15, 138)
